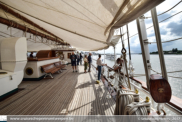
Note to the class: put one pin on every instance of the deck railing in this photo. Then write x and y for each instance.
(172, 108)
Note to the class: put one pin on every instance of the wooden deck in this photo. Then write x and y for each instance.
(67, 94)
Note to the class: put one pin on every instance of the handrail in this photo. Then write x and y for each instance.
(174, 102)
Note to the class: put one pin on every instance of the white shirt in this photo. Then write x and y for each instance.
(85, 60)
(99, 62)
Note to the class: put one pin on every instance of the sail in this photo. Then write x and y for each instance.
(85, 24)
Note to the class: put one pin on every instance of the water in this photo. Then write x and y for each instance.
(173, 63)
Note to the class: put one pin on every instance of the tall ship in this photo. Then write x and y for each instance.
(42, 42)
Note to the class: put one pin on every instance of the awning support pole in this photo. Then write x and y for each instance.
(114, 53)
(104, 56)
(160, 106)
(159, 44)
(144, 47)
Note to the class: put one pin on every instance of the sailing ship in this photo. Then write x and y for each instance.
(45, 84)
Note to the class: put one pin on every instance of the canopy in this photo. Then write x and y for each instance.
(114, 40)
(85, 24)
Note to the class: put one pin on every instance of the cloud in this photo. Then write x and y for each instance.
(164, 16)
(148, 21)
(163, 31)
(175, 28)
(151, 35)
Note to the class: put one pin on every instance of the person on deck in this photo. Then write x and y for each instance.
(31, 55)
(85, 63)
(99, 66)
(117, 67)
(89, 61)
(73, 58)
(81, 57)
(78, 58)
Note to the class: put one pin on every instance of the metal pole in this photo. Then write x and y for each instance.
(104, 56)
(10, 31)
(160, 50)
(159, 44)
(114, 53)
(128, 42)
(144, 47)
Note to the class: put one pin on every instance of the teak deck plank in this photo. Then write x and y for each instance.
(67, 94)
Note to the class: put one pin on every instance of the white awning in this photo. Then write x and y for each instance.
(85, 24)
(114, 40)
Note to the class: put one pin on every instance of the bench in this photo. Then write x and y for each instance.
(59, 65)
(50, 69)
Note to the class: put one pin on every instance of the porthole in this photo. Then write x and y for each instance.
(29, 71)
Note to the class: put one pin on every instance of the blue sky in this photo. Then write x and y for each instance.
(170, 29)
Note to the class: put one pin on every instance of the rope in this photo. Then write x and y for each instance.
(175, 71)
(169, 72)
(4, 33)
(152, 25)
(137, 108)
(168, 40)
(168, 9)
(123, 51)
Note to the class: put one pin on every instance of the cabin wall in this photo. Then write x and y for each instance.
(36, 68)
(66, 57)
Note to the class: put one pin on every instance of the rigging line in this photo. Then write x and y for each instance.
(167, 41)
(121, 38)
(16, 32)
(29, 26)
(168, 9)
(175, 71)
(168, 75)
(168, 72)
(165, 19)
(4, 33)
(57, 26)
(61, 12)
(159, 22)
(29, 39)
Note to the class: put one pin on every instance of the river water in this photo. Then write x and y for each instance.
(173, 63)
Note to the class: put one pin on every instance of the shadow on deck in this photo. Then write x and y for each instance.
(67, 94)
